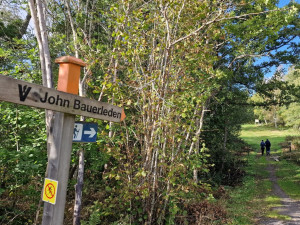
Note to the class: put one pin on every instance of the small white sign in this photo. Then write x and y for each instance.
(77, 134)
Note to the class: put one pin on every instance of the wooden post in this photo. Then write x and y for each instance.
(60, 140)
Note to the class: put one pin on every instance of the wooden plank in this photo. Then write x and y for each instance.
(24, 93)
(60, 141)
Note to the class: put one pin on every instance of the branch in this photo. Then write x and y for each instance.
(197, 30)
(222, 19)
(247, 55)
(72, 28)
(248, 14)
(167, 25)
(283, 43)
(178, 17)
(24, 26)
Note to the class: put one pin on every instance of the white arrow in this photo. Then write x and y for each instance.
(91, 132)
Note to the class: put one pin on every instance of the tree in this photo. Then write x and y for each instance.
(169, 84)
(290, 112)
(22, 129)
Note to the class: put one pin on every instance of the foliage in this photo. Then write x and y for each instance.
(23, 154)
(22, 159)
(220, 136)
(289, 113)
(282, 99)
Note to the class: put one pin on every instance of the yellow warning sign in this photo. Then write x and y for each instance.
(50, 191)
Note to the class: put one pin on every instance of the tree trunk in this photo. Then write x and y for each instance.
(39, 39)
(82, 93)
(200, 123)
(38, 16)
(224, 147)
(37, 13)
(45, 44)
(275, 118)
(78, 189)
(24, 26)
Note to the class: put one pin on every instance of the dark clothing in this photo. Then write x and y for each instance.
(268, 147)
(268, 144)
(262, 147)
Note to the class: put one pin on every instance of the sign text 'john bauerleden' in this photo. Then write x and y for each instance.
(25, 93)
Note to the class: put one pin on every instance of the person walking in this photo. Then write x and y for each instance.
(262, 147)
(268, 146)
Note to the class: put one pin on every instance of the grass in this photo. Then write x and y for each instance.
(273, 201)
(246, 201)
(289, 179)
(253, 135)
(254, 198)
(275, 215)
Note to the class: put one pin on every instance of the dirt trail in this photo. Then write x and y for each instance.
(289, 206)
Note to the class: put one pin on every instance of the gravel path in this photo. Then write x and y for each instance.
(289, 206)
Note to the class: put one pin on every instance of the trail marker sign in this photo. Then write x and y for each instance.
(50, 191)
(24, 93)
(85, 132)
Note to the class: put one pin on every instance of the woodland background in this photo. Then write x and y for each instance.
(188, 74)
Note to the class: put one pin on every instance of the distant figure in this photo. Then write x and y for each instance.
(268, 146)
(262, 147)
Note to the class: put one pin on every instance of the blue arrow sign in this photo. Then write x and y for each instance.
(85, 132)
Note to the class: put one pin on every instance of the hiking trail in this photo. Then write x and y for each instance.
(289, 207)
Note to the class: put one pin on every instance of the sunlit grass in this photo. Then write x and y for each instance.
(253, 134)
(272, 201)
(289, 179)
(246, 202)
(275, 215)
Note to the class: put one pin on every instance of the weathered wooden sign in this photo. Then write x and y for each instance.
(24, 93)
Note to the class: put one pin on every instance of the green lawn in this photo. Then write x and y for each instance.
(253, 134)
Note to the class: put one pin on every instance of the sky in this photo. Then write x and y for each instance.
(285, 2)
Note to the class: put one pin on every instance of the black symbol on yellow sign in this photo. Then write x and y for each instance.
(50, 191)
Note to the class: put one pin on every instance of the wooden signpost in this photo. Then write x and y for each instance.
(66, 104)
(24, 93)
